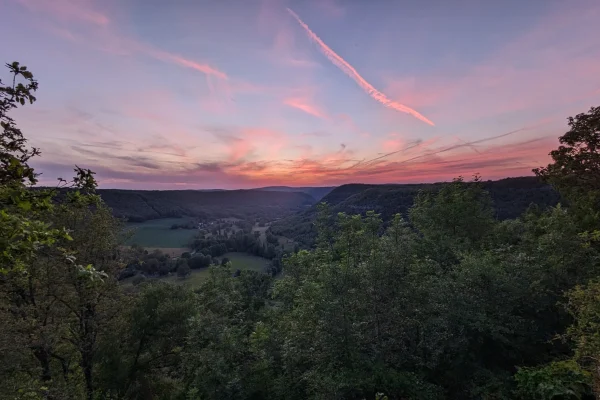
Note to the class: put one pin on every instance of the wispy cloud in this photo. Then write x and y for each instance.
(99, 31)
(179, 60)
(349, 70)
(319, 134)
(304, 104)
(68, 10)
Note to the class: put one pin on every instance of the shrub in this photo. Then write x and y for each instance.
(183, 271)
(138, 279)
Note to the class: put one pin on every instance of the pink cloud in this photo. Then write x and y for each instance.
(179, 60)
(106, 38)
(252, 160)
(304, 104)
(250, 144)
(393, 142)
(352, 73)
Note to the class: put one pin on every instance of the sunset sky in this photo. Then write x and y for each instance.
(237, 94)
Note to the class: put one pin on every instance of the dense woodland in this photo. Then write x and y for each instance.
(447, 301)
(511, 197)
(141, 205)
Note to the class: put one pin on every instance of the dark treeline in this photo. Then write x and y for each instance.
(316, 192)
(142, 205)
(511, 197)
(448, 302)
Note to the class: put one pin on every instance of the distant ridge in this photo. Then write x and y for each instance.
(511, 197)
(141, 205)
(316, 192)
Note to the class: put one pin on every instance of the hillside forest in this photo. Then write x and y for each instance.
(451, 299)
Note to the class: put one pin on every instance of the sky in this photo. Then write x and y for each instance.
(195, 94)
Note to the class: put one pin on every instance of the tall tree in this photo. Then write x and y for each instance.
(575, 170)
(51, 285)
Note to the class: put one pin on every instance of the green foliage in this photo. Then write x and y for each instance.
(183, 270)
(563, 380)
(14, 155)
(511, 197)
(59, 262)
(142, 356)
(455, 219)
(221, 361)
(584, 306)
(459, 215)
(575, 170)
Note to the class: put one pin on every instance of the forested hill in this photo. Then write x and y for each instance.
(316, 192)
(511, 196)
(141, 205)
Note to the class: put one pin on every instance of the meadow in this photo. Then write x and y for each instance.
(158, 233)
(240, 261)
(245, 261)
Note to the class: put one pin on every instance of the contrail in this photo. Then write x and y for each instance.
(456, 146)
(352, 73)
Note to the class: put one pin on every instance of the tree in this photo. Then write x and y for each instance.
(557, 380)
(14, 155)
(150, 266)
(224, 261)
(199, 261)
(584, 306)
(223, 356)
(575, 170)
(183, 271)
(455, 219)
(142, 356)
(55, 284)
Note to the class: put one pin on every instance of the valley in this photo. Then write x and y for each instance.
(279, 223)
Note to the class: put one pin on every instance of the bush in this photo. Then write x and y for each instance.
(183, 271)
(199, 261)
(138, 279)
(186, 255)
(164, 269)
(557, 380)
(127, 273)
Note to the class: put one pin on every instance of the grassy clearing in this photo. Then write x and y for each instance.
(246, 261)
(158, 233)
(240, 261)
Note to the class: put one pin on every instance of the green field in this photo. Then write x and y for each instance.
(158, 233)
(246, 261)
(241, 261)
